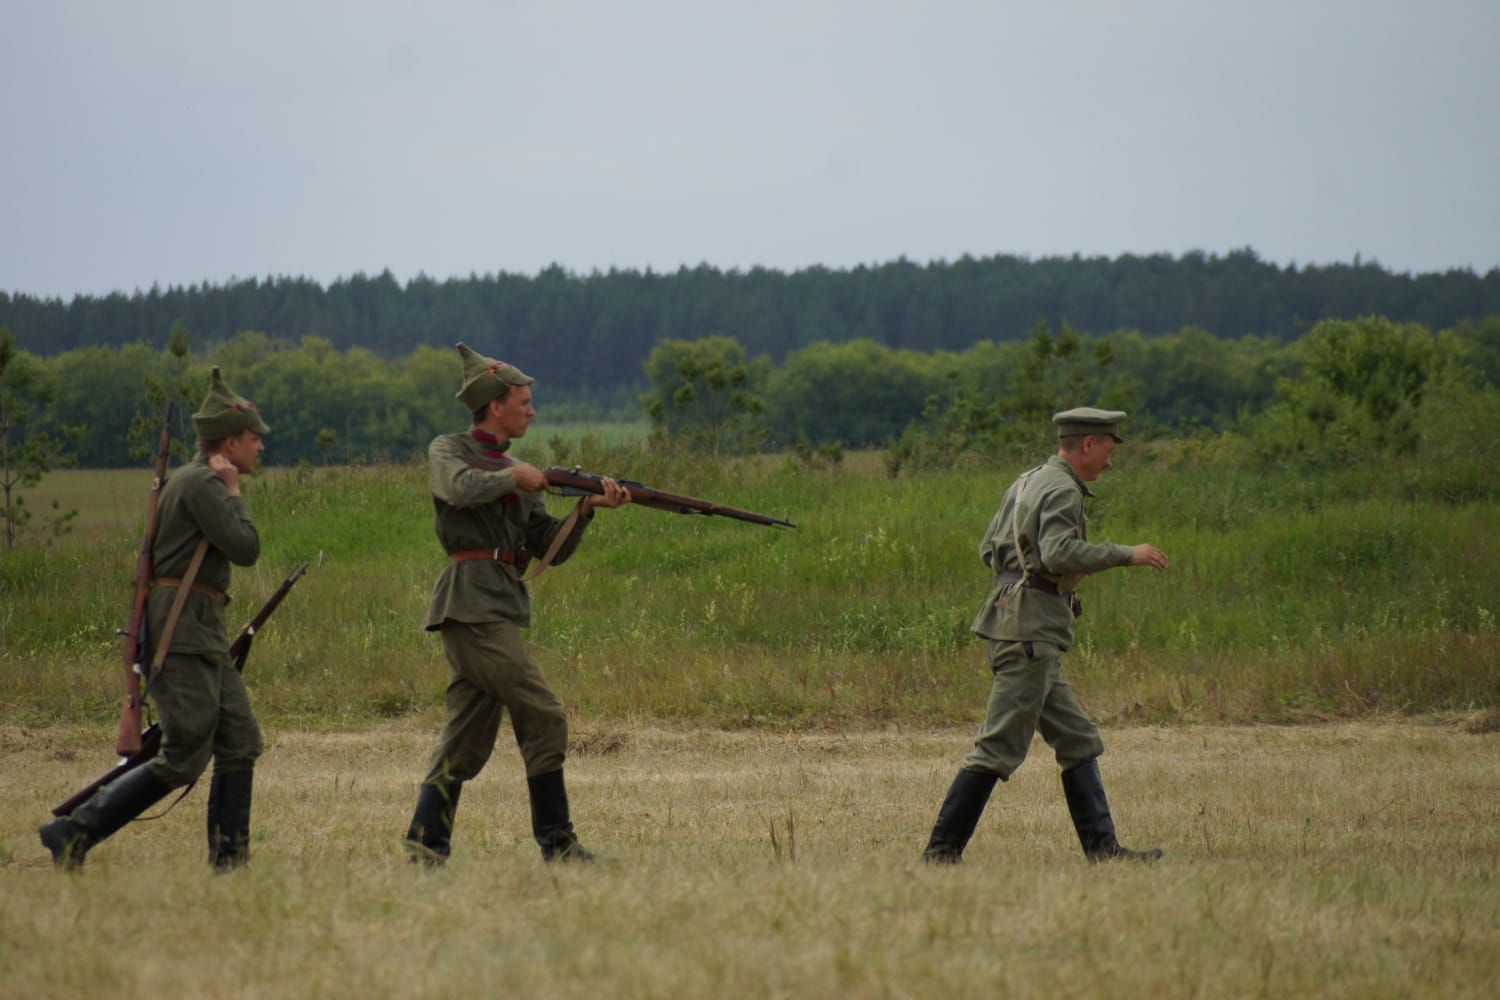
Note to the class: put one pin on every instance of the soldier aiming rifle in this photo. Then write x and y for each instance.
(490, 519)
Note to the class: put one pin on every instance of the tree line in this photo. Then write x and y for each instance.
(592, 333)
(327, 405)
(1346, 385)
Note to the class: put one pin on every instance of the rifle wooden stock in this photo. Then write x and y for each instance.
(133, 653)
(571, 482)
(149, 741)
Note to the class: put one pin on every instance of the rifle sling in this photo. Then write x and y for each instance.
(1023, 578)
(184, 585)
(557, 542)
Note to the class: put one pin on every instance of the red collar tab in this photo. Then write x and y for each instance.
(486, 437)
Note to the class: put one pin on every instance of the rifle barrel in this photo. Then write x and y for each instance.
(272, 603)
(571, 482)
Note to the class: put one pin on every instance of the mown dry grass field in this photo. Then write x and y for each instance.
(1351, 859)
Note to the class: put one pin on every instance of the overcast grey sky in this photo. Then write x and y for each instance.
(172, 143)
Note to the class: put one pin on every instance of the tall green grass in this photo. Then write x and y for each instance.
(1291, 595)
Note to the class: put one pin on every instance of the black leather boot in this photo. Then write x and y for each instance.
(71, 837)
(431, 829)
(229, 819)
(1084, 790)
(549, 819)
(959, 815)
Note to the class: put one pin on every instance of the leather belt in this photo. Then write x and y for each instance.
(1045, 586)
(507, 556)
(1041, 583)
(200, 588)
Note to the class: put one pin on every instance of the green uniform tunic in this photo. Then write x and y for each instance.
(1043, 509)
(480, 606)
(1040, 529)
(200, 698)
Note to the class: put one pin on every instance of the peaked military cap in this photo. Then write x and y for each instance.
(224, 414)
(1088, 420)
(486, 379)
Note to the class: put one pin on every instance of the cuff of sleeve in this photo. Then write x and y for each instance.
(1125, 554)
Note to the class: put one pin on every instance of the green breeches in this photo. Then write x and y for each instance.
(205, 714)
(1029, 694)
(491, 672)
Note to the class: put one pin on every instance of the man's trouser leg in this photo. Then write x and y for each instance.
(492, 672)
(186, 693)
(237, 746)
(1067, 728)
(1017, 693)
(467, 740)
(541, 730)
(1075, 740)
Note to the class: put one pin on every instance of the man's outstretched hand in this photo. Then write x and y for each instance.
(1148, 555)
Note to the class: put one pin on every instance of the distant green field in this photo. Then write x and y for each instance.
(1358, 591)
(606, 435)
(114, 499)
(107, 500)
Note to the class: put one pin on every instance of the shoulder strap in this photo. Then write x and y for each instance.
(1015, 525)
(165, 642)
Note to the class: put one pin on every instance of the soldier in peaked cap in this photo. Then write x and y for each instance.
(202, 526)
(1037, 547)
(491, 520)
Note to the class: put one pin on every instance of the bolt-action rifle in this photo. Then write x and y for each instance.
(133, 649)
(571, 482)
(148, 743)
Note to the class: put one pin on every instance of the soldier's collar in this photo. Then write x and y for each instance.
(1057, 461)
(494, 443)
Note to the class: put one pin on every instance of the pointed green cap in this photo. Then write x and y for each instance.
(224, 414)
(486, 379)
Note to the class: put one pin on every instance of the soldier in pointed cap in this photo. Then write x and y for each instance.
(1037, 547)
(491, 520)
(202, 527)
